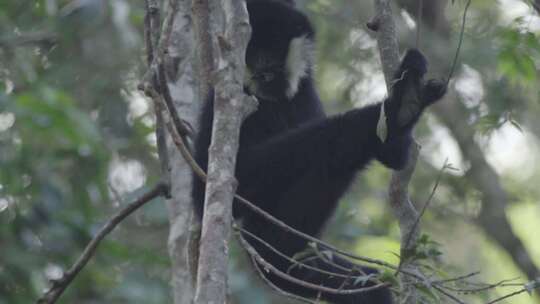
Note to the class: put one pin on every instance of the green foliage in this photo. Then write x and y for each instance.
(516, 55)
(63, 121)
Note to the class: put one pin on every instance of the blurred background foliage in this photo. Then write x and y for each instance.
(76, 142)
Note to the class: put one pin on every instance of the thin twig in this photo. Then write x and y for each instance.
(151, 29)
(449, 295)
(166, 93)
(167, 31)
(458, 50)
(463, 277)
(512, 294)
(286, 227)
(269, 267)
(277, 289)
(182, 147)
(426, 204)
(301, 263)
(484, 287)
(60, 285)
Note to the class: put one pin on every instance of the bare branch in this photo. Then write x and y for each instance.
(59, 286)
(426, 204)
(463, 277)
(151, 29)
(449, 295)
(269, 267)
(163, 46)
(288, 258)
(274, 287)
(512, 294)
(398, 192)
(458, 50)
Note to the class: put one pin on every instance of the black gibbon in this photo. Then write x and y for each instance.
(294, 161)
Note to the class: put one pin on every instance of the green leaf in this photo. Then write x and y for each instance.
(532, 42)
(526, 67)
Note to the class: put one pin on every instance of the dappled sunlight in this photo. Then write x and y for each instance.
(126, 175)
(513, 152)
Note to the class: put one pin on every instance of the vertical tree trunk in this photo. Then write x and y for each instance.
(400, 203)
(184, 225)
(223, 42)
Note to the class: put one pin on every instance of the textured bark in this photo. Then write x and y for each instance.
(386, 40)
(400, 203)
(452, 113)
(183, 224)
(224, 43)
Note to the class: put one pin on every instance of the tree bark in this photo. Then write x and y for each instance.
(226, 44)
(400, 203)
(184, 225)
(536, 6)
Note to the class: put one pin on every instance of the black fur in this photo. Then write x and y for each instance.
(296, 163)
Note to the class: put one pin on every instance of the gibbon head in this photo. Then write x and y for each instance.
(280, 52)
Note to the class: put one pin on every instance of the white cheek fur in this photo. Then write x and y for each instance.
(299, 60)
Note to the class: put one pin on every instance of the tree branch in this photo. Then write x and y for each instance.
(269, 267)
(536, 5)
(60, 285)
(401, 206)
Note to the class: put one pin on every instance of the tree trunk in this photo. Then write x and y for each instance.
(400, 203)
(222, 32)
(184, 226)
